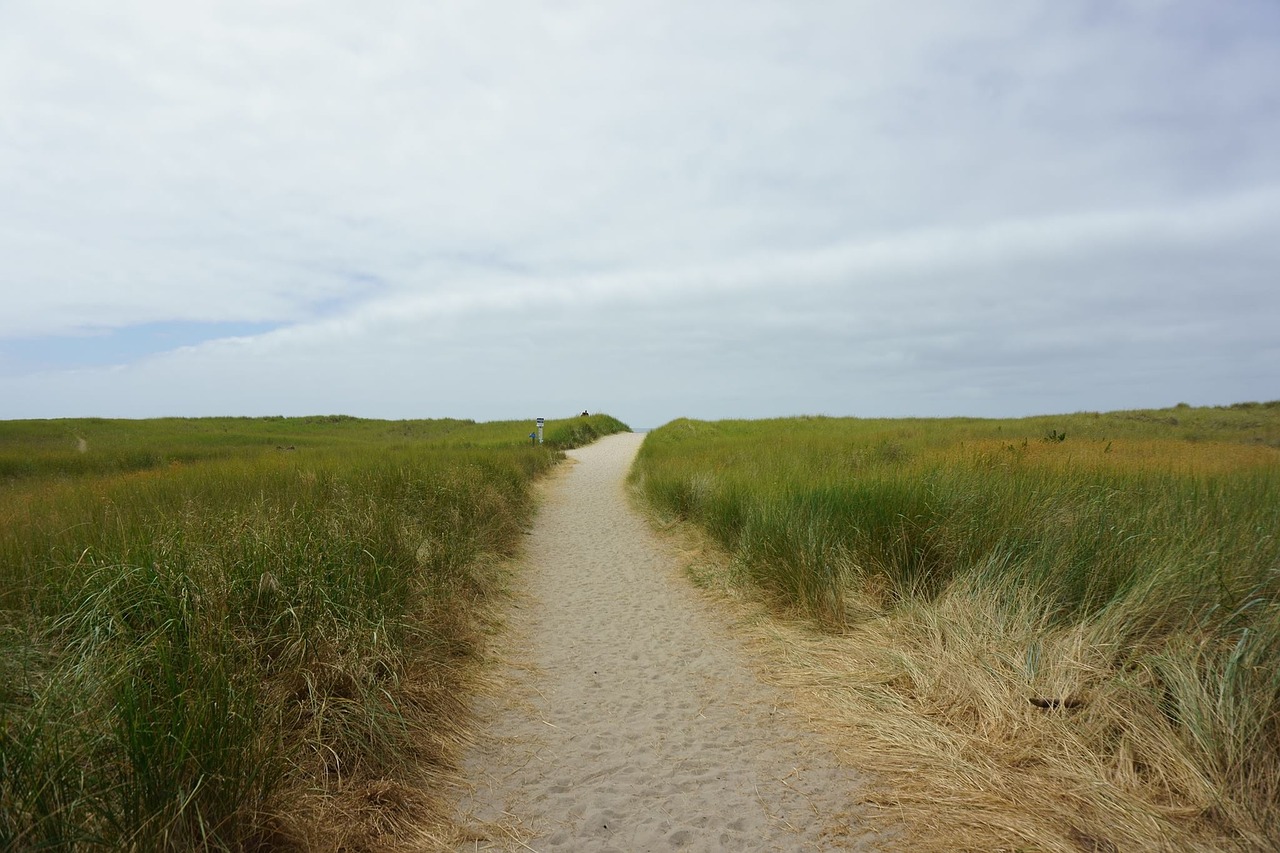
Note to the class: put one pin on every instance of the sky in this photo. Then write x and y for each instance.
(654, 209)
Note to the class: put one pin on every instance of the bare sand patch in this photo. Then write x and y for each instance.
(626, 718)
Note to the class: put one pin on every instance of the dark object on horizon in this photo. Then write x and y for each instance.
(585, 415)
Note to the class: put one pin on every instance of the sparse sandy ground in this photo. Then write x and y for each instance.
(626, 718)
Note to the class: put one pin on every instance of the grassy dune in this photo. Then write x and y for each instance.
(245, 633)
(1057, 633)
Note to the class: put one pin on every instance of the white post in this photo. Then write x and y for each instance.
(540, 422)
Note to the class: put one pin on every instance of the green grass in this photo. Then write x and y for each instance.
(209, 642)
(1150, 538)
(576, 432)
(75, 447)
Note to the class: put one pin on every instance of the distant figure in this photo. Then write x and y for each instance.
(585, 415)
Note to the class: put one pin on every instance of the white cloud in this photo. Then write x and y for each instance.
(696, 197)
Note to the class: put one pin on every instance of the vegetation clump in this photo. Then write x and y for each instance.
(206, 643)
(1074, 643)
(576, 432)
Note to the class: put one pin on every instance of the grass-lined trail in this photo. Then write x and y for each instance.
(625, 721)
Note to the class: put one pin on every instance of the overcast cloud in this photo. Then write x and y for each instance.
(655, 209)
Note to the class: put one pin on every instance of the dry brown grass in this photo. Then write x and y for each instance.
(935, 702)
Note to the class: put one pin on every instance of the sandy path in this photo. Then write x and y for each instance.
(628, 721)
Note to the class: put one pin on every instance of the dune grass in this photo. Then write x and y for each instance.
(582, 430)
(244, 634)
(1067, 627)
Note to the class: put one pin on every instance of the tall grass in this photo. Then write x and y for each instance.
(1122, 570)
(241, 647)
(575, 432)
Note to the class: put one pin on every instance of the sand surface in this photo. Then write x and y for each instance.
(627, 718)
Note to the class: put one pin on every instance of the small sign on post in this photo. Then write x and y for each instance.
(540, 423)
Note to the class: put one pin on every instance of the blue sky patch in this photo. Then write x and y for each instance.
(114, 346)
